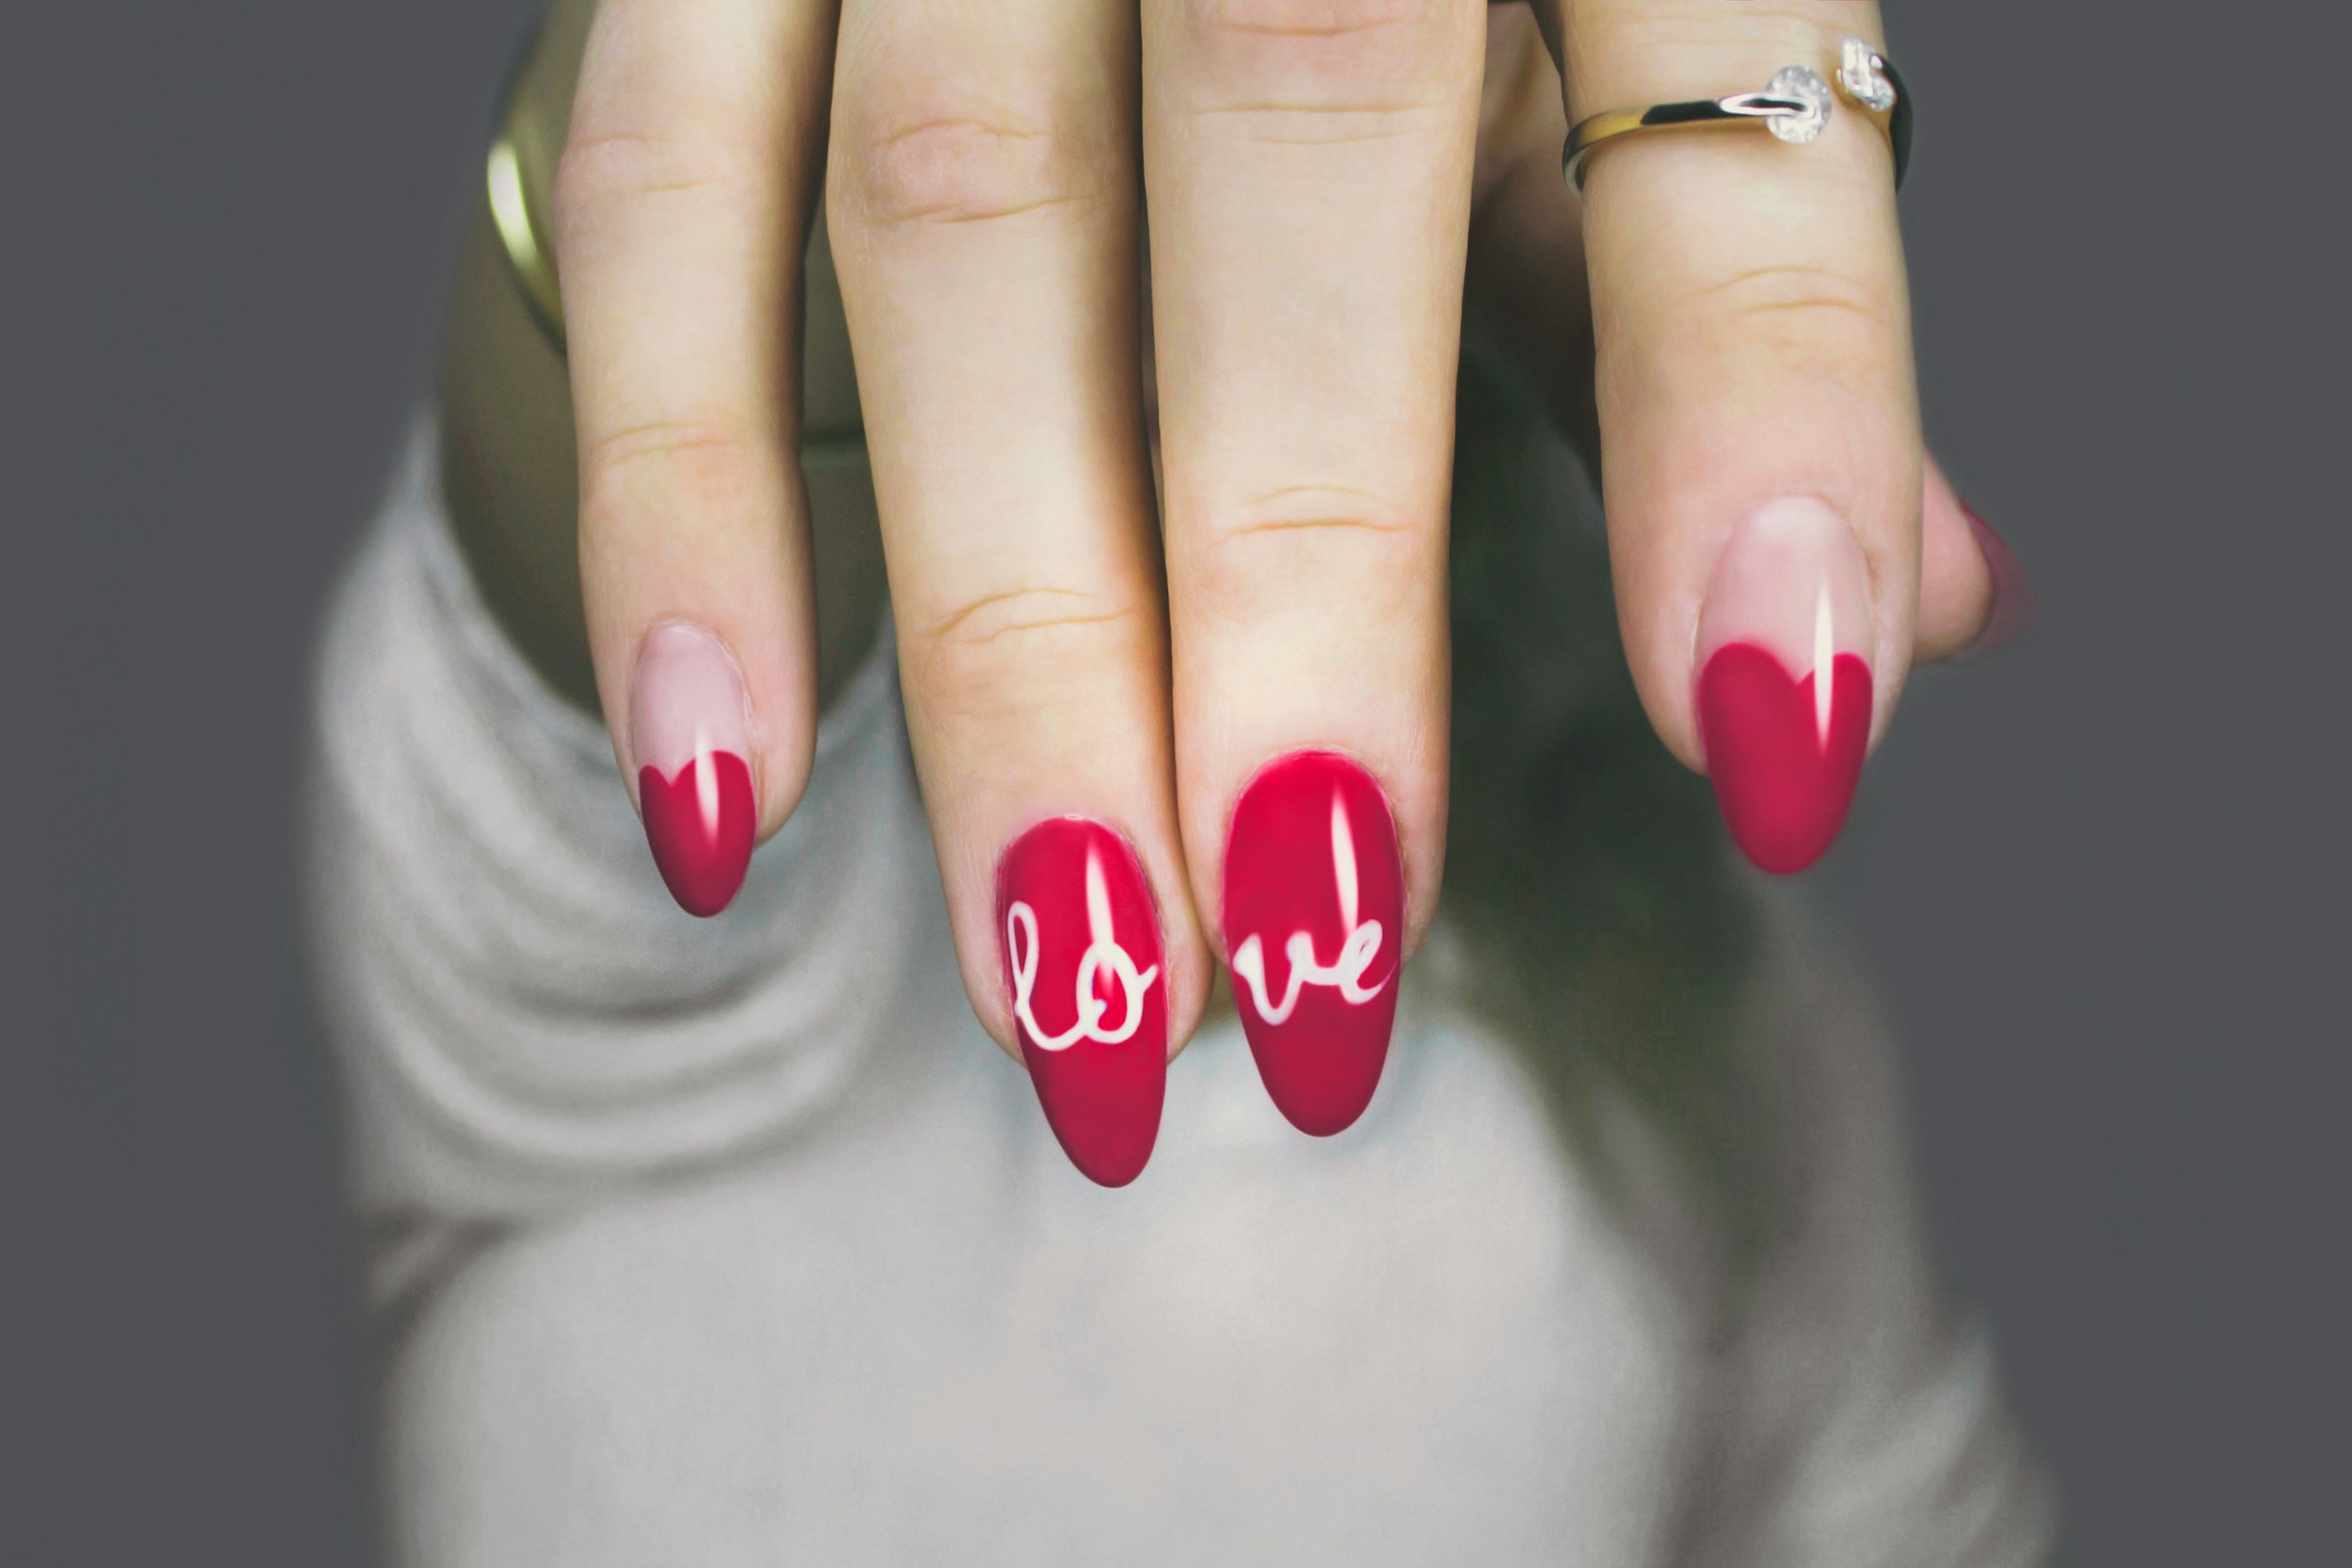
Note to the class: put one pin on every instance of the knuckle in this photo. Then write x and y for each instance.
(609, 171)
(1827, 309)
(987, 643)
(1767, 290)
(1332, 25)
(710, 459)
(1679, 29)
(1249, 569)
(1330, 70)
(940, 158)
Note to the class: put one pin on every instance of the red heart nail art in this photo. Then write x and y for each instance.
(700, 824)
(1784, 753)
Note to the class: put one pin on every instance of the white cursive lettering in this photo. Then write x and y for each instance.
(1358, 949)
(1103, 952)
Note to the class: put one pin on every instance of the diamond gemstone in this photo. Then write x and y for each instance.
(1807, 88)
(1861, 74)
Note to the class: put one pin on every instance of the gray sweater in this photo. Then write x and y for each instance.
(738, 1242)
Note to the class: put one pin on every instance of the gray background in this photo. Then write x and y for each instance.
(2100, 875)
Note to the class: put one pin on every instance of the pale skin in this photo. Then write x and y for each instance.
(1339, 192)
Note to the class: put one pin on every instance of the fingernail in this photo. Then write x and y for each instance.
(2015, 605)
(1785, 680)
(1314, 930)
(1083, 964)
(691, 740)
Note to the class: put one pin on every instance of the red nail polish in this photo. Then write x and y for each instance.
(1083, 964)
(1785, 679)
(1314, 929)
(690, 732)
(700, 823)
(1784, 754)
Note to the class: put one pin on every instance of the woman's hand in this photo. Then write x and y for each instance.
(1223, 709)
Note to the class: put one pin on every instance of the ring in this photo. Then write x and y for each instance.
(1794, 106)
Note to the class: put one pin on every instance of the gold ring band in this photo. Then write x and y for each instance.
(1795, 106)
(533, 266)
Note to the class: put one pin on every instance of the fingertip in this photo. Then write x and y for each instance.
(711, 782)
(1976, 595)
(2015, 607)
(1082, 963)
(1786, 690)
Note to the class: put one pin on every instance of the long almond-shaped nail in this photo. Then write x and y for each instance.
(690, 736)
(1314, 932)
(1083, 964)
(1785, 680)
(2015, 606)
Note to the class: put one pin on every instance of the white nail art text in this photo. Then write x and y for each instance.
(1104, 955)
(1358, 947)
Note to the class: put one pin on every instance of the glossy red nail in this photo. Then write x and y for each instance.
(1784, 752)
(1783, 691)
(690, 735)
(1083, 964)
(700, 823)
(1315, 927)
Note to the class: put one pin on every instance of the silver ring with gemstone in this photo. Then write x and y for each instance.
(1795, 106)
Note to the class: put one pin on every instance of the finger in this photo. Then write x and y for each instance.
(1759, 425)
(984, 218)
(1524, 305)
(1308, 167)
(1973, 593)
(1526, 309)
(681, 203)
